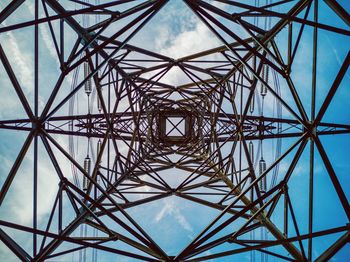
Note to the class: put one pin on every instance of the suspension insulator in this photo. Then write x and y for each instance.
(252, 105)
(263, 90)
(98, 149)
(88, 86)
(251, 152)
(99, 105)
(262, 169)
(87, 166)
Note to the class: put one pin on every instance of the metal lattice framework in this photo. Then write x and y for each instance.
(140, 129)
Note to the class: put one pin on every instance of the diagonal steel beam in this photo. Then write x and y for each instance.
(16, 165)
(334, 88)
(15, 83)
(334, 248)
(9, 9)
(240, 193)
(15, 248)
(333, 176)
(339, 10)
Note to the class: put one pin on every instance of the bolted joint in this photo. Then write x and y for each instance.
(115, 14)
(37, 126)
(311, 130)
(63, 183)
(173, 191)
(113, 237)
(287, 71)
(231, 240)
(64, 68)
(284, 188)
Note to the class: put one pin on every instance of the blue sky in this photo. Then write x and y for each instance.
(176, 32)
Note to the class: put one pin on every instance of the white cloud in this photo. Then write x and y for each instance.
(22, 196)
(188, 42)
(171, 209)
(45, 34)
(22, 60)
(339, 61)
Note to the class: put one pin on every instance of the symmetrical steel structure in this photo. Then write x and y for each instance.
(138, 129)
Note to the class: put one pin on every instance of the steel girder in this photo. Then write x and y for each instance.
(205, 127)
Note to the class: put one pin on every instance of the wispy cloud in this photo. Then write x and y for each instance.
(45, 34)
(201, 39)
(336, 54)
(22, 60)
(171, 209)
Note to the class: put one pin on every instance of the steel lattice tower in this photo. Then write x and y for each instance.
(119, 133)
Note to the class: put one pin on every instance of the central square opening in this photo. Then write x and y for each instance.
(175, 126)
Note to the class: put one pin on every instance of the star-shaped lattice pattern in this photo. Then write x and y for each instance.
(133, 134)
